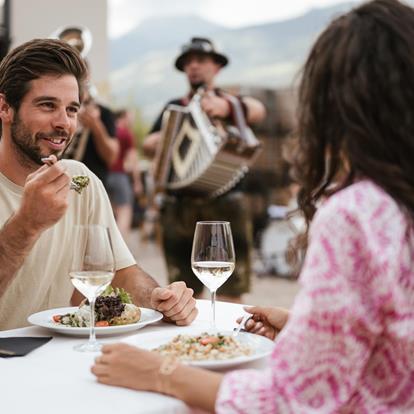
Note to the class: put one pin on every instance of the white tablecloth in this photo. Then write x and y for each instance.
(56, 379)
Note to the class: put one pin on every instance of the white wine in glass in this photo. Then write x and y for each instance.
(92, 271)
(213, 274)
(212, 257)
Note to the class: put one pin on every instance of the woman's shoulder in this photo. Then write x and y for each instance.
(362, 198)
(363, 205)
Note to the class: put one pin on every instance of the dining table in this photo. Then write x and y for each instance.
(55, 378)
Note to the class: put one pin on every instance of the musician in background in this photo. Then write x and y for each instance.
(124, 179)
(201, 62)
(95, 143)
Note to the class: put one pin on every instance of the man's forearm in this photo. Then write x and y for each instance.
(255, 110)
(137, 283)
(150, 144)
(107, 147)
(16, 242)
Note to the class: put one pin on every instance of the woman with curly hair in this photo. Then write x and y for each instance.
(347, 344)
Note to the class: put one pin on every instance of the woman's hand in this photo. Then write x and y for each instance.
(127, 366)
(266, 321)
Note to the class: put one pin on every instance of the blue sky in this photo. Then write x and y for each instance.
(126, 14)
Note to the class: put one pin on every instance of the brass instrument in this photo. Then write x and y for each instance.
(77, 36)
(80, 38)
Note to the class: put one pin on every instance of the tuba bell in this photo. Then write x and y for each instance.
(79, 37)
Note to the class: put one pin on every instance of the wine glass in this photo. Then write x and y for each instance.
(212, 257)
(92, 271)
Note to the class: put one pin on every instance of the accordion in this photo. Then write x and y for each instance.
(200, 156)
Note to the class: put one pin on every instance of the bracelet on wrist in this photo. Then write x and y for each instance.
(168, 365)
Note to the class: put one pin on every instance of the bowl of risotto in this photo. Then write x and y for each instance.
(213, 350)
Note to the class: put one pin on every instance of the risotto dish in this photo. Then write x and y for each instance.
(204, 347)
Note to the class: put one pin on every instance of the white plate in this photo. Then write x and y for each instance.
(261, 346)
(45, 320)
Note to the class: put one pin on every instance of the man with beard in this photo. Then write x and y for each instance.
(201, 62)
(41, 83)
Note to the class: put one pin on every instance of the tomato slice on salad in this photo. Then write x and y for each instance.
(102, 323)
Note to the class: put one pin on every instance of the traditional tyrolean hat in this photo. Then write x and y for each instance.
(203, 46)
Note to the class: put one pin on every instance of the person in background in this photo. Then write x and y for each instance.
(201, 63)
(41, 86)
(124, 180)
(95, 143)
(347, 344)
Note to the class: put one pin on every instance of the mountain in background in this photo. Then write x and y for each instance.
(157, 34)
(268, 55)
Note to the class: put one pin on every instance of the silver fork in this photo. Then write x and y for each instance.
(50, 161)
(74, 186)
(241, 325)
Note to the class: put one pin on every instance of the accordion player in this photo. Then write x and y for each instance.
(201, 156)
(199, 159)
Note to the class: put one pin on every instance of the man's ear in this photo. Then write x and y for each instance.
(6, 111)
(217, 69)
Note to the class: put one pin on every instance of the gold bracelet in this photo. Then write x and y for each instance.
(167, 367)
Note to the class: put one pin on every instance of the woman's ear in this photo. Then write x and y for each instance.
(6, 111)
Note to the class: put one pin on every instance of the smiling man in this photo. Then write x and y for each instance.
(40, 87)
(50, 136)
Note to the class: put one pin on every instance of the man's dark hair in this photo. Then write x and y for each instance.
(356, 103)
(34, 59)
(120, 113)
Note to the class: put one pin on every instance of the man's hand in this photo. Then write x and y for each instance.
(89, 115)
(150, 144)
(215, 106)
(176, 302)
(45, 197)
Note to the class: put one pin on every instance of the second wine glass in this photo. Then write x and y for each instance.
(212, 257)
(92, 271)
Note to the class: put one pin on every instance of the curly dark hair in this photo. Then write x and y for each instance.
(356, 107)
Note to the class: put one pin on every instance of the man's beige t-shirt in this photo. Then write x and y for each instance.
(43, 280)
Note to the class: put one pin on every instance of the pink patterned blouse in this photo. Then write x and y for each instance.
(348, 346)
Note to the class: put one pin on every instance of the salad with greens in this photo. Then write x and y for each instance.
(113, 307)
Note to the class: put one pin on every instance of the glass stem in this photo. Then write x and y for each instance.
(213, 309)
(92, 337)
